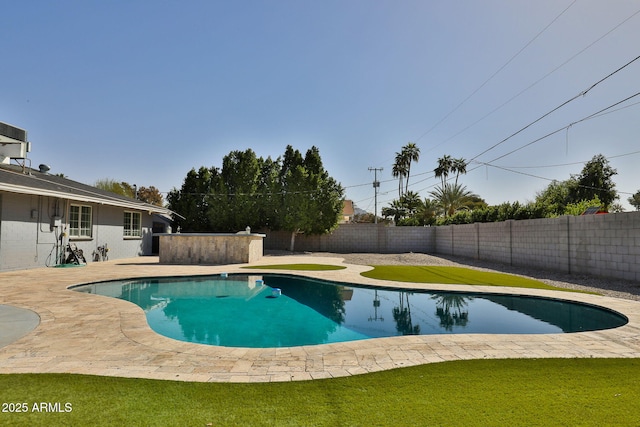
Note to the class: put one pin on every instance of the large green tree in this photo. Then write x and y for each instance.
(149, 195)
(595, 180)
(193, 200)
(554, 199)
(122, 188)
(292, 193)
(634, 200)
(311, 200)
(238, 206)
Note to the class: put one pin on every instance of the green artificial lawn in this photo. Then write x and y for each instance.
(543, 392)
(453, 276)
(307, 267)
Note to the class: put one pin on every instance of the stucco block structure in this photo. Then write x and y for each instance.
(205, 248)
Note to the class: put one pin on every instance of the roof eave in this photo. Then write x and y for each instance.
(141, 206)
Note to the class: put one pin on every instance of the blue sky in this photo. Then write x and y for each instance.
(143, 91)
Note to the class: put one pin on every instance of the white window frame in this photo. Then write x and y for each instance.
(129, 230)
(80, 221)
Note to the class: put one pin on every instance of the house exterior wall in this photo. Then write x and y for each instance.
(27, 238)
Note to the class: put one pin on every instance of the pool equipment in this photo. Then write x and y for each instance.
(224, 275)
(276, 292)
(259, 282)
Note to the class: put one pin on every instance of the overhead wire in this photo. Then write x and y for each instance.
(589, 117)
(491, 77)
(583, 93)
(568, 164)
(539, 80)
(542, 177)
(596, 114)
(446, 116)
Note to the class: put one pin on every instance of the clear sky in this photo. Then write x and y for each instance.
(144, 90)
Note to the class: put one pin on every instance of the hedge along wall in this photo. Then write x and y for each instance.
(602, 245)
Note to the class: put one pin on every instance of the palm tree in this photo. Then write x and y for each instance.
(459, 166)
(396, 210)
(410, 153)
(427, 211)
(445, 164)
(452, 198)
(399, 170)
(411, 202)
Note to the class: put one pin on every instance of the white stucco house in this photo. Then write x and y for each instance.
(41, 213)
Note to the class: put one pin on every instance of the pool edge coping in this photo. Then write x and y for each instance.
(134, 350)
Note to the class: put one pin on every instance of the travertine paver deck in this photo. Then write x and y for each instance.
(91, 334)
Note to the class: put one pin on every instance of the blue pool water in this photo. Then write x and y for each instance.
(241, 311)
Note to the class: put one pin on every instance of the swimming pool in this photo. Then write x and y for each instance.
(244, 311)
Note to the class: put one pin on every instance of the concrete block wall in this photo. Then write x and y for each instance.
(444, 241)
(602, 245)
(408, 239)
(494, 241)
(541, 242)
(465, 238)
(606, 245)
(363, 238)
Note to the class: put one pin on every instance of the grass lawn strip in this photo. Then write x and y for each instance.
(453, 276)
(301, 267)
(543, 392)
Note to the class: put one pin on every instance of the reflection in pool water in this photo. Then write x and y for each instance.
(240, 311)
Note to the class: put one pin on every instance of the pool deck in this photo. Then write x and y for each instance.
(91, 334)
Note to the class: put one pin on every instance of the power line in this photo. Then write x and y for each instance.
(583, 93)
(494, 74)
(598, 113)
(568, 164)
(591, 116)
(539, 80)
(543, 178)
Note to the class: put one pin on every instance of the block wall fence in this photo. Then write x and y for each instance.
(601, 245)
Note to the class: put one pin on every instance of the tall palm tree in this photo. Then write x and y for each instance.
(445, 164)
(399, 170)
(459, 166)
(410, 153)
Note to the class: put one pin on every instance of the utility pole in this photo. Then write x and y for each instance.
(376, 185)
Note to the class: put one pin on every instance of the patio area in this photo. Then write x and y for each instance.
(91, 334)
